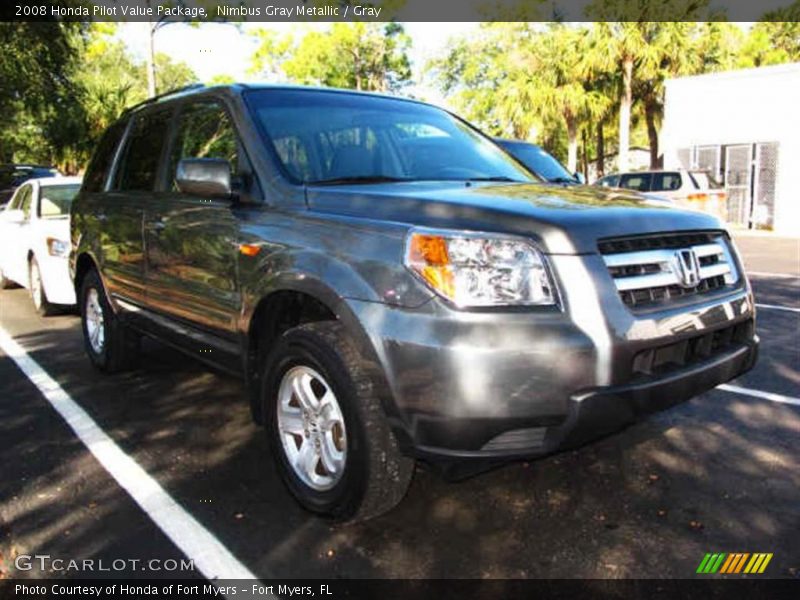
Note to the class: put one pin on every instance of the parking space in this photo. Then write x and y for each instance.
(719, 473)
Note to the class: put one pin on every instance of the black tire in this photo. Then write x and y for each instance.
(36, 287)
(121, 346)
(376, 475)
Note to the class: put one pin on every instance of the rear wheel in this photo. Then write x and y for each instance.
(38, 294)
(329, 437)
(111, 346)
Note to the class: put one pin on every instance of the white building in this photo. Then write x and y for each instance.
(744, 127)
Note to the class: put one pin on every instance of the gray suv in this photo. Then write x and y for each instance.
(392, 286)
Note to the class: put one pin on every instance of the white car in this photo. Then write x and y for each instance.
(695, 190)
(34, 229)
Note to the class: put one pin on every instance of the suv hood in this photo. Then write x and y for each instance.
(566, 220)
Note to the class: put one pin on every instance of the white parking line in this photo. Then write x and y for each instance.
(759, 394)
(210, 557)
(776, 307)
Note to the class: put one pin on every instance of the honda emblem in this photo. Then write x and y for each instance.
(687, 267)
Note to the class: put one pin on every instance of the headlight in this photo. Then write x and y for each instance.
(478, 269)
(57, 247)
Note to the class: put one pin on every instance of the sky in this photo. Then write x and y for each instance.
(214, 48)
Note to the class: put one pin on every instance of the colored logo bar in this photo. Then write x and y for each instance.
(733, 563)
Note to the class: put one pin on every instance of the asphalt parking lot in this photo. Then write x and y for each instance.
(720, 473)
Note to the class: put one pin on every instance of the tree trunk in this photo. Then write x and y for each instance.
(357, 68)
(652, 133)
(601, 151)
(585, 161)
(625, 113)
(572, 148)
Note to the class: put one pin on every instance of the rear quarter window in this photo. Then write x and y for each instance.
(97, 173)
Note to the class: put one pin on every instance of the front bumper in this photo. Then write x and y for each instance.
(502, 385)
(56, 280)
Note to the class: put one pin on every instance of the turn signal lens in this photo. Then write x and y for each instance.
(697, 197)
(56, 247)
(476, 269)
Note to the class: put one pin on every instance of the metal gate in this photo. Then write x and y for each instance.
(708, 158)
(749, 173)
(766, 170)
(738, 163)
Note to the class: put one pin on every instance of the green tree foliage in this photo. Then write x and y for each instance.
(565, 83)
(35, 65)
(64, 84)
(361, 56)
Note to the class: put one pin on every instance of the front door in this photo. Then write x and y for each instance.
(14, 235)
(191, 241)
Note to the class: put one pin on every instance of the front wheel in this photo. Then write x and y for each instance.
(111, 346)
(5, 282)
(331, 442)
(38, 293)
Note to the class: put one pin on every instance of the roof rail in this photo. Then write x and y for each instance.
(186, 88)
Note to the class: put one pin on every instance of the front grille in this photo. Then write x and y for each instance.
(660, 360)
(651, 270)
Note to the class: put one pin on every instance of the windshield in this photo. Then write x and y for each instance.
(539, 161)
(56, 200)
(329, 137)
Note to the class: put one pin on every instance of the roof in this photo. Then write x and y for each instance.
(741, 74)
(51, 181)
(199, 88)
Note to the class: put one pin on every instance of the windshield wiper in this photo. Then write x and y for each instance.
(493, 178)
(360, 179)
(562, 180)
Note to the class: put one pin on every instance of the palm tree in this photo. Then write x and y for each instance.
(549, 82)
(672, 45)
(624, 46)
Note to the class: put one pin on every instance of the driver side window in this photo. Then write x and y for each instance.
(204, 130)
(23, 201)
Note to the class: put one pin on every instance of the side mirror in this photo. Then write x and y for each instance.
(14, 216)
(580, 178)
(209, 177)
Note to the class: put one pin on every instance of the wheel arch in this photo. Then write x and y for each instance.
(296, 302)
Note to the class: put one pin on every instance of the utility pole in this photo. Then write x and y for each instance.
(151, 58)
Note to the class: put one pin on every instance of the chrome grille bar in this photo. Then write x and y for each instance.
(646, 276)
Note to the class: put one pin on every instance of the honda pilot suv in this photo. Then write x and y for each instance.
(393, 286)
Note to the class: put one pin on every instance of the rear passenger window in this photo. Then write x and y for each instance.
(666, 182)
(97, 173)
(139, 169)
(636, 181)
(204, 130)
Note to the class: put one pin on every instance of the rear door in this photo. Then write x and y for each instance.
(192, 241)
(123, 206)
